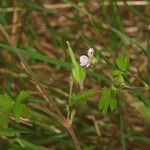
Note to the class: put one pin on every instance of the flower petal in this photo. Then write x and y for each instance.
(84, 60)
(90, 52)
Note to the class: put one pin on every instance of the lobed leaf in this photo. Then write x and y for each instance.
(22, 95)
(108, 100)
(123, 63)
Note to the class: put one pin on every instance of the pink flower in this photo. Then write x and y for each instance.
(85, 61)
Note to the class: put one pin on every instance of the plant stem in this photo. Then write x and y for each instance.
(70, 91)
(74, 138)
(40, 88)
(148, 56)
(123, 143)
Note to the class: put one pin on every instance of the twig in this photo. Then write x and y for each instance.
(41, 89)
(10, 9)
(14, 22)
(133, 3)
(59, 6)
(92, 117)
(119, 3)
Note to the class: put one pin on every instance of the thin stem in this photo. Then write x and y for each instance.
(30, 72)
(74, 138)
(136, 88)
(123, 143)
(40, 88)
(69, 99)
(148, 56)
(70, 91)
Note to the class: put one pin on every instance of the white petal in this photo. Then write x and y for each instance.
(90, 52)
(84, 60)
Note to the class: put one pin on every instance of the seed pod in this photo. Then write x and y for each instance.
(78, 72)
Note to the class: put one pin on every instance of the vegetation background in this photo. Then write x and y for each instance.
(40, 29)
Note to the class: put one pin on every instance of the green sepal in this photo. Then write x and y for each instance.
(79, 75)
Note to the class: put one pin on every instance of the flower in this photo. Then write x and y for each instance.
(85, 61)
(90, 52)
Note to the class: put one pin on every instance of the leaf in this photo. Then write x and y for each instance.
(5, 102)
(25, 111)
(18, 109)
(126, 37)
(28, 145)
(119, 80)
(38, 56)
(21, 110)
(22, 95)
(82, 97)
(123, 63)
(4, 118)
(8, 132)
(107, 100)
(117, 73)
(6, 105)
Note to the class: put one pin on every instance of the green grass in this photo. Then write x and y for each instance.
(95, 25)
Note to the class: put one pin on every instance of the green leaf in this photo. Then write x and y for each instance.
(25, 112)
(82, 97)
(125, 37)
(28, 145)
(18, 109)
(38, 56)
(4, 118)
(6, 105)
(108, 100)
(123, 63)
(5, 102)
(117, 73)
(119, 80)
(22, 95)
(8, 132)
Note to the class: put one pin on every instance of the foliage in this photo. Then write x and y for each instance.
(123, 63)
(117, 32)
(81, 97)
(108, 100)
(8, 105)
